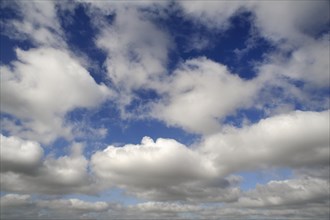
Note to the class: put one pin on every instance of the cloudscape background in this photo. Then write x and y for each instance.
(165, 110)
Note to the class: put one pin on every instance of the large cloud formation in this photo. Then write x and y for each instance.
(276, 120)
(32, 90)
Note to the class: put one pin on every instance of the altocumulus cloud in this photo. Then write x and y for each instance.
(164, 110)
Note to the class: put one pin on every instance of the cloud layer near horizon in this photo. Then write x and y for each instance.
(57, 94)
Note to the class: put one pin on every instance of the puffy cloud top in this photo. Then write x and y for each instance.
(19, 155)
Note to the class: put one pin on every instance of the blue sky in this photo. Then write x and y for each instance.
(164, 109)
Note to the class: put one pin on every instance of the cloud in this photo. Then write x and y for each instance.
(44, 85)
(25, 171)
(161, 170)
(19, 155)
(213, 14)
(276, 21)
(137, 52)
(290, 140)
(14, 200)
(309, 64)
(149, 170)
(74, 205)
(310, 211)
(15, 206)
(197, 99)
(166, 170)
(287, 193)
(290, 21)
(298, 31)
(164, 209)
(163, 178)
(166, 160)
(318, 172)
(37, 22)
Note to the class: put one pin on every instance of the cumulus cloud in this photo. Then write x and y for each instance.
(287, 193)
(292, 140)
(298, 30)
(162, 170)
(277, 21)
(46, 81)
(197, 96)
(169, 179)
(24, 170)
(165, 160)
(168, 170)
(309, 64)
(41, 87)
(19, 155)
(154, 170)
(299, 64)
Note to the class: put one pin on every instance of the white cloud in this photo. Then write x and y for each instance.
(165, 207)
(137, 52)
(292, 27)
(309, 64)
(197, 96)
(16, 206)
(65, 170)
(287, 193)
(42, 87)
(291, 21)
(74, 205)
(38, 23)
(165, 161)
(19, 155)
(163, 170)
(288, 140)
(168, 170)
(175, 181)
(164, 210)
(309, 211)
(214, 14)
(27, 172)
(14, 200)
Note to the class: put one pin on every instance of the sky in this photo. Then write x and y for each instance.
(165, 110)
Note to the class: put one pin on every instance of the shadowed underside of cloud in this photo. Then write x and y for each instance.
(142, 62)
